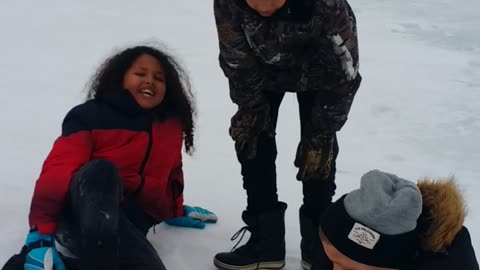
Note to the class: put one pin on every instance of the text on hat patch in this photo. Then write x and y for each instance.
(364, 236)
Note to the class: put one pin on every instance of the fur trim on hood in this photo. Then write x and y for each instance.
(443, 213)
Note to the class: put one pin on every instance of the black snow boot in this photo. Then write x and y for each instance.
(266, 247)
(311, 247)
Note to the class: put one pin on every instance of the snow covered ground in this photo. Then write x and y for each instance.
(416, 114)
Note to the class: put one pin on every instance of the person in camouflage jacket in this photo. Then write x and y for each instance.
(268, 48)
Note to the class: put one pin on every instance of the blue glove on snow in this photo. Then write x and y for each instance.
(193, 217)
(43, 254)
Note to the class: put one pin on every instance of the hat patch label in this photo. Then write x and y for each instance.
(364, 236)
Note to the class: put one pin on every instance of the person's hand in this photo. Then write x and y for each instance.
(193, 217)
(246, 126)
(314, 158)
(42, 254)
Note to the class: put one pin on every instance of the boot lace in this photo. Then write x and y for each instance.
(240, 233)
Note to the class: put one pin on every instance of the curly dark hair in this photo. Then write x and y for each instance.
(178, 101)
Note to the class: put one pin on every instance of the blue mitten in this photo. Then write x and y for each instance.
(193, 217)
(42, 253)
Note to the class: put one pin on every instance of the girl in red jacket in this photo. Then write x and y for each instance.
(116, 170)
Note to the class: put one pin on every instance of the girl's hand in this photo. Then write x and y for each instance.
(193, 217)
(42, 254)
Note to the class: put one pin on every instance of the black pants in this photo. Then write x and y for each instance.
(99, 230)
(259, 174)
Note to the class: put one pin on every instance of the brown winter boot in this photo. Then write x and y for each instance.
(266, 247)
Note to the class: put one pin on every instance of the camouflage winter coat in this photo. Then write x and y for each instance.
(308, 45)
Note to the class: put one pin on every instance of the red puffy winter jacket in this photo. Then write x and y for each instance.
(147, 153)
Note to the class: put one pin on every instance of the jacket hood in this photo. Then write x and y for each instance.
(443, 213)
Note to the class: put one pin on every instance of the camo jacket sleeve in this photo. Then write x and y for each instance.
(236, 58)
(339, 50)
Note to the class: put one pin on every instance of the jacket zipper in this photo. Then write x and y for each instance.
(144, 162)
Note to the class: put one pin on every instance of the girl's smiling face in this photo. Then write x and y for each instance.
(145, 80)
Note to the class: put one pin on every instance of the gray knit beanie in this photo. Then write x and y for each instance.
(375, 224)
(385, 203)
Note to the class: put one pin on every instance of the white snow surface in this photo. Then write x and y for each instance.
(416, 113)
